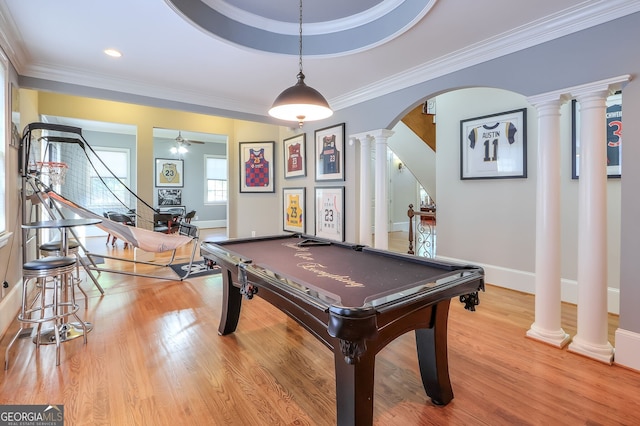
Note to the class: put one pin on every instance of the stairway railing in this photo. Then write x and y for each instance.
(422, 232)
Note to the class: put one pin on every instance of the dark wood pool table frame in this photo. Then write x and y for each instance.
(355, 334)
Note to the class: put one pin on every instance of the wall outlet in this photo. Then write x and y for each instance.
(253, 233)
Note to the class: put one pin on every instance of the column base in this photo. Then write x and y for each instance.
(557, 338)
(602, 353)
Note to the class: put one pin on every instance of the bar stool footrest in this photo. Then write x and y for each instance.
(68, 331)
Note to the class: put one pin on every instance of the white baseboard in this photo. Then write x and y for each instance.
(9, 307)
(205, 224)
(525, 282)
(627, 349)
(569, 290)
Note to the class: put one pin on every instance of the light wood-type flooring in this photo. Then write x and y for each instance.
(155, 358)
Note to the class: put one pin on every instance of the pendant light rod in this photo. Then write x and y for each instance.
(300, 39)
(300, 102)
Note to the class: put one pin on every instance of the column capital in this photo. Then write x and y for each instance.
(610, 85)
(364, 138)
(549, 99)
(599, 97)
(372, 134)
(382, 134)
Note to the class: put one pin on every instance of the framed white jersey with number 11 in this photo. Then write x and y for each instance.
(494, 146)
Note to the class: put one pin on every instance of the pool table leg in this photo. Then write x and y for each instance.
(354, 388)
(432, 355)
(231, 304)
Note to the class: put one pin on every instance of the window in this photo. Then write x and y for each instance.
(216, 171)
(105, 187)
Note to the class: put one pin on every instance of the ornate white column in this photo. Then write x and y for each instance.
(365, 188)
(591, 339)
(547, 326)
(381, 240)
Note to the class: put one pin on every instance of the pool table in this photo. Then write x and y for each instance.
(352, 298)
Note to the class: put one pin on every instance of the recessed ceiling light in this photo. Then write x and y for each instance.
(113, 52)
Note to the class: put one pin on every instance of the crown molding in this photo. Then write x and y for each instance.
(141, 88)
(568, 21)
(583, 16)
(10, 41)
(310, 28)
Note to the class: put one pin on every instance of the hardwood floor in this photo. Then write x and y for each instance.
(155, 358)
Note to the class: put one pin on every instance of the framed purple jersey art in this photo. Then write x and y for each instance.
(256, 167)
(329, 153)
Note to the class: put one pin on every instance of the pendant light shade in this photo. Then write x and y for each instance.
(300, 102)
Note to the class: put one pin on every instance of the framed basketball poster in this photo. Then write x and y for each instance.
(169, 197)
(256, 167)
(169, 173)
(494, 146)
(294, 210)
(330, 213)
(295, 159)
(330, 153)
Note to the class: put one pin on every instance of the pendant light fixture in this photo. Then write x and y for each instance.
(300, 102)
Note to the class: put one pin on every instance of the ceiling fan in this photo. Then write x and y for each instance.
(182, 144)
(183, 141)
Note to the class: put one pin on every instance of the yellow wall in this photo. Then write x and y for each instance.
(144, 118)
(260, 210)
(242, 207)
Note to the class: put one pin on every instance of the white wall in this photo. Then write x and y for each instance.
(487, 221)
(416, 155)
(492, 222)
(402, 192)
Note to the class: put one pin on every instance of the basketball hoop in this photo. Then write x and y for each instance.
(56, 171)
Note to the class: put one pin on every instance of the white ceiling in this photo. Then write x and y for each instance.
(168, 56)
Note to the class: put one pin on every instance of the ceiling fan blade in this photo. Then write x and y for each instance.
(192, 141)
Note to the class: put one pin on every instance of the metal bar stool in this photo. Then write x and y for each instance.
(54, 248)
(55, 291)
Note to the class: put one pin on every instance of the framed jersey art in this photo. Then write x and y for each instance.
(295, 162)
(169, 173)
(494, 146)
(613, 119)
(329, 153)
(257, 167)
(294, 210)
(330, 216)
